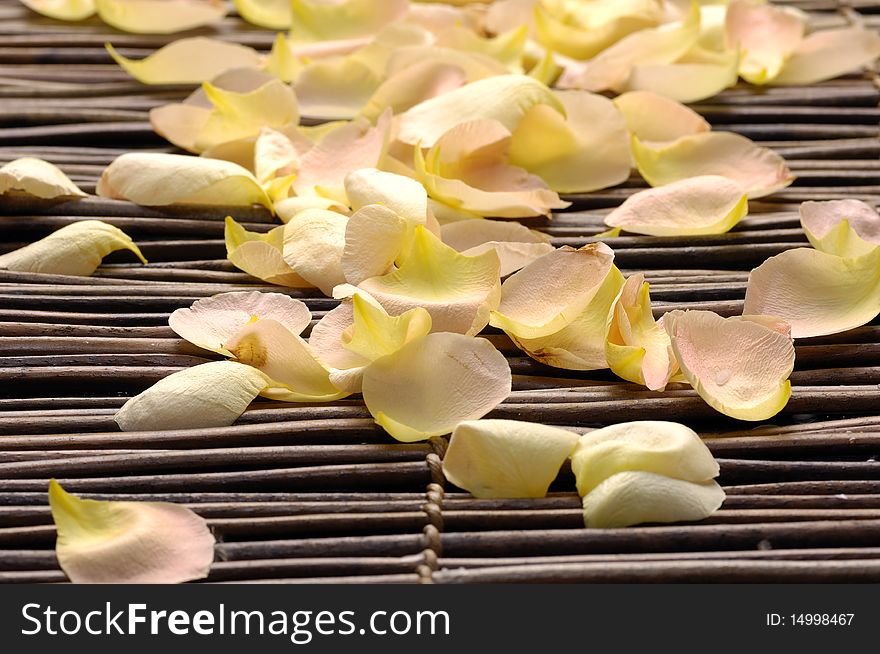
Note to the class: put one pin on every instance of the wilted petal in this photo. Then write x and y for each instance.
(157, 179)
(815, 292)
(631, 498)
(707, 204)
(313, 244)
(211, 394)
(828, 54)
(847, 228)
(38, 179)
(62, 9)
(433, 383)
(458, 291)
(506, 458)
(128, 542)
(76, 249)
(273, 14)
(187, 61)
(664, 448)
(653, 117)
(211, 322)
(759, 171)
(159, 16)
(260, 255)
(583, 150)
(317, 20)
(767, 34)
(739, 367)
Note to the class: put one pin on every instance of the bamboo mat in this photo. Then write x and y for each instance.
(299, 493)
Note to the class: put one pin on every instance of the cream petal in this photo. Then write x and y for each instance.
(374, 237)
(465, 234)
(157, 179)
(739, 367)
(313, 244)
(345, 367)
(212, 321)
(707, 204)
(272, 14)
(433, 383)
(513, 256)
(211, 394)
(506, 458)
(685, 81)
(653, 117)
(76, 249)
(282, 62)
(335, 89)
(274, 155)
(664, 448)
(260, 255)
(759, 171)
(187, 61)
(417, 83)
(37, 179)
(631, 498)
(314, 20)
(828, 54)
(476, 66)
(767, 34)
(159, 16)
(128, 542)
(847, 228)
(293, 368)
(815, 292)
(287, 208)
(179, 123)
(62, 9)
(404, 196)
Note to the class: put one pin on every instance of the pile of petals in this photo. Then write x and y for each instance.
(629, 473)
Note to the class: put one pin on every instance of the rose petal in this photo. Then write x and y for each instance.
(664, 448)
(288, 208)
(314, 20)
(653, 117)
(62, 9)
(157, 179)
(828, 54)
(506, 458)
(404, 196)
(212, 321)
(374, 334)
(631, 498)
(76, 249)
(759, 171)
(466, 234)
(128, 542)
(272, 14)
(707, 204)
(433, 383)
(739, 367)
(282, 62)
(260, 255)
(159, 16)
(686, 81)
(335, 89)
(847, 228)
(38, 179)
(817, 293)
(313, 244)
(211, 394)
(407, 88)
(374, 237)
(767, 34)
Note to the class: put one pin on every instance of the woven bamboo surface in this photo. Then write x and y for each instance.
(299, 493)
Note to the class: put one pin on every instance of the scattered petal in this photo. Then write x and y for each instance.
(686, 81)
(767, 34)
(316, 20)
(847, 228)
(374, 238)
(653, 117)
(260, 255)
(272, 14)
(516, 245)
(828, 54)
(412, 85)
(336, 88)
(313, 244)
(159, 16)
(62, 9)
(37, 179)
(374, 334)
(405, 196)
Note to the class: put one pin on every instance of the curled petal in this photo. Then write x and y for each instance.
(653, 117)
(458, 291)
(316, 20)
(828, 54)
(128, 542)
(345, 367)
(260, 255)
(76, 249)
(815, 292)
(272, 14)
(759, 171)
(513, 256)
(335, 89)
(739, 367)
(62, 9)
(631, 498)
(404, 196)
(583, 150)
(506, 458)
(433, 383)
(288, 208)
(211, 322)
(313, 244)
(847, 228)
(664, 448)
(707, 204)
(37, 179)
(767, 34)
(187, 61)
(465, 234)
(159, 16)
(686, 81)
(157, 179)
(211, 394)
(374, 334)
(412, 85)
(374, 237)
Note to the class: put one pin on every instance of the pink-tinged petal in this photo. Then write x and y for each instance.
(829, 54)
(653, 117)
(686, 81)
(374, 237)
(413, 85)
(317, 20)
(36, 178)
(260, 255)
(160, 16)
(313, 244)
(847, 228)
(768, 35)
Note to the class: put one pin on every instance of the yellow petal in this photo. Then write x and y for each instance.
(281, 61)
(847, 228)
(685, 81)
(476, 66)
(759, 171)
(664, 448)
(767, 34)
(374, 237)
(272, 14)
(128, 542)
(260, 254)
(505, 98)
(433, 383)
(516, 245)
(583, 150)
(374, 334)
(314, 20)
(159, 16)
(294, 370)
(404, 196)
(345, 367)
(653, 117)
(313, 243)
(815, 292)
(274, 155)
(211, 394)
(458, 291)
(187, 61)
(180, 123)
(211, 322)
(506, 458)
(631, 498)
(828, 54)
(707, 204)
(413, 85)
(62, 9)
(507, 47)
(739, 367)
(157, 179)
(337, 88)
(290, 207)
(37, 179)
(76, 249)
